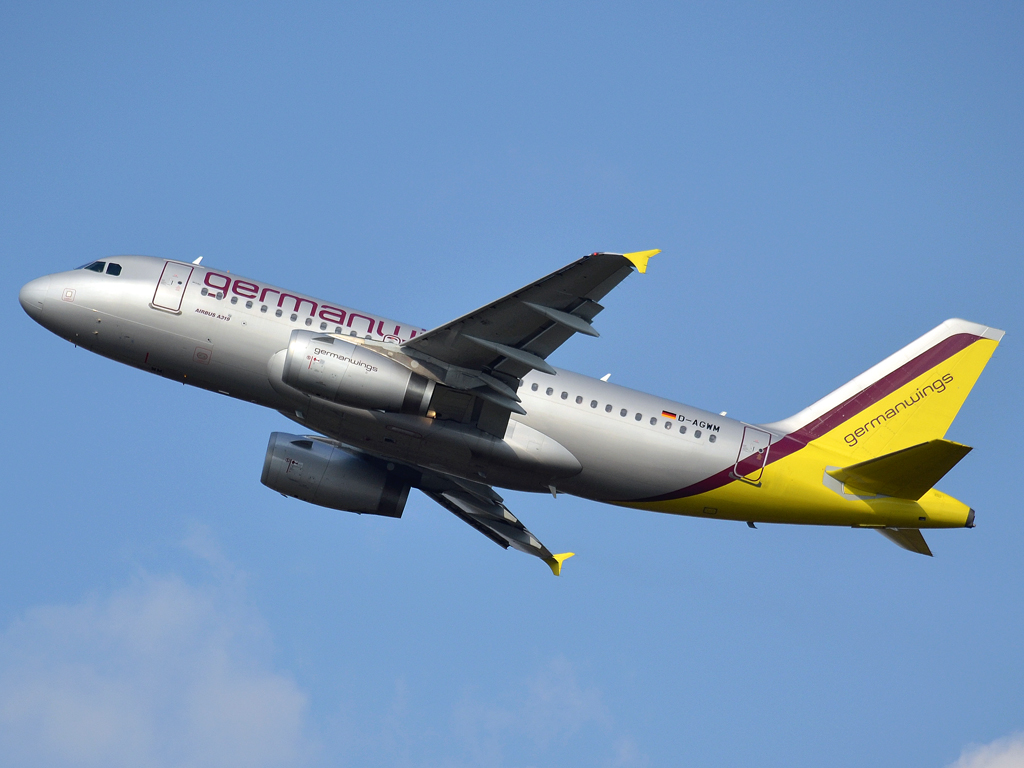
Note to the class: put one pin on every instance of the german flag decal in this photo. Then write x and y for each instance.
(668, 415)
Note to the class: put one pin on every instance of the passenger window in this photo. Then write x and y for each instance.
(623, 412)
(219, 295)
(593, 403)
(263, 308)
(668, 425)
(337, 329)
(696, 433)
(639, 416)
(682, 430)
(565, 395)
(309, 321)
(533, 387)
(711, 438)
(234, 299)
(654, 420)
(96, 266)
(579, 400)
(550, 391)
(294, 317)
(278, 313)
(248, 305)
(204, 292)
(352, 333)
(608, 408)
(113, 269)
(323, 326)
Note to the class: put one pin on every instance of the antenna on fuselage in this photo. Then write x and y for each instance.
(198, 260)
(606, 377)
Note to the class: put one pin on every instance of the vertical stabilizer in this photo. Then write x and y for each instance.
(907, 399)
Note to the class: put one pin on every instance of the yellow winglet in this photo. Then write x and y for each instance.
(555, 562)
(640, 259)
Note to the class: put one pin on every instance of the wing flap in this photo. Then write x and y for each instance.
(904, 474)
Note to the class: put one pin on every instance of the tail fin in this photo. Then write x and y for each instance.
(909, 398)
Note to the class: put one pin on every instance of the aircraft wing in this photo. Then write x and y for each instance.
(491, 348)
(479, 506)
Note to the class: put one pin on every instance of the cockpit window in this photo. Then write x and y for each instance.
(113, 269)
(96, 266)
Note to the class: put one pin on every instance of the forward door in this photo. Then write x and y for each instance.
(171, 288)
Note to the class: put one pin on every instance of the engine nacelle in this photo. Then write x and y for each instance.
(351, 374)
(321, 474)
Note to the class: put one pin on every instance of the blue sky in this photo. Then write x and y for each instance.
(827, 183)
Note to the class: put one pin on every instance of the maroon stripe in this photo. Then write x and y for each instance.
(824, 424)
(784, 447)
(885, 386)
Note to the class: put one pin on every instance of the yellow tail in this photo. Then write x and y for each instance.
(907, 399)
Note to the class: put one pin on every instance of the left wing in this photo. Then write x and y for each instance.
(479, 505)
(491, 348)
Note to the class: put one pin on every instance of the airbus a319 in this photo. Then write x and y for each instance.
(474, 404)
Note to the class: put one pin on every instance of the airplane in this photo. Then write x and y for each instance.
(474, 405)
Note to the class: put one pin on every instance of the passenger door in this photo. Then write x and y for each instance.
(171, 288)
(752, 455)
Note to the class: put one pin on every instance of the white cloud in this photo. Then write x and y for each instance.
(159, 673)
(548, 712)
(1001, 753)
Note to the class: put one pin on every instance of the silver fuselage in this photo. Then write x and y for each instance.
(584, 436)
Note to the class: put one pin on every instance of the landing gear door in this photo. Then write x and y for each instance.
(753, 454)
(171, 288)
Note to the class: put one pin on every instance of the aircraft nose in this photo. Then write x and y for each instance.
(32, 296)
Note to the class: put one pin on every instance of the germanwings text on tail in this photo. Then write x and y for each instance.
(473, 405)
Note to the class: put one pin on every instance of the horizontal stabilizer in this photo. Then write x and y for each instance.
(909, 538)
(905, 474)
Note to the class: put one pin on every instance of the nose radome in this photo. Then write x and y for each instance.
(32, 295)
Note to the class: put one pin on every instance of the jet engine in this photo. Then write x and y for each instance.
(351, 374)
(317, 472)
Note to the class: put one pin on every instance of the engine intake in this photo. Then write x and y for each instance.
(321, 474)
(351, 374)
